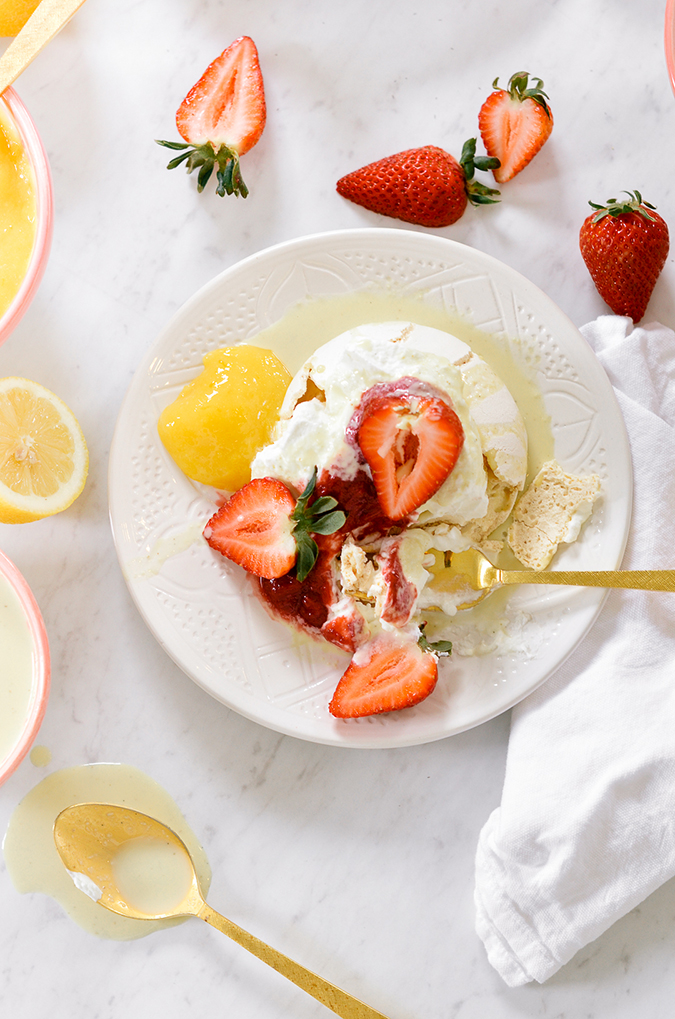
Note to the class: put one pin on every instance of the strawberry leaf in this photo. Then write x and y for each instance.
(622, 207)
(225, 161)
(321, 517)
(308, 553)
(477, 193)
(518, 89)
(441, 648)
(173, 145)
(323, 504)
(329, 523)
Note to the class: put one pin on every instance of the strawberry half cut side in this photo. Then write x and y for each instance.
(411, 438)
(514, 124)
(386, 674)
(254, 528)
(221, 118)
(266, 531)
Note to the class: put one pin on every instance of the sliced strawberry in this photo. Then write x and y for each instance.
(254, 528)
(514, 124)
(411, 438)
(265, 530)
(222, 117)
(346, 627)
(386, 674)
(227, 105)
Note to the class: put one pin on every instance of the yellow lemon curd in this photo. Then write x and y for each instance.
(17, 210)
(14, 14)
(221, 419)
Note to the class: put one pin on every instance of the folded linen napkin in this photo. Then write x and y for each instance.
(586, 826)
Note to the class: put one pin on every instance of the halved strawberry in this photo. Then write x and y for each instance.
(254, 528)
(222, 117)
(386, 674)
(265, 530)
(514, 124)
(411, 438)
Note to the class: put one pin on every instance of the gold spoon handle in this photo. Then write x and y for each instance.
(645, 580)
(328, 994)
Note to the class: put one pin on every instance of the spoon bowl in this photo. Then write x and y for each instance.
(90, 837)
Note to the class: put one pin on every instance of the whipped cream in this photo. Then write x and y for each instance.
(388, 581)
(322, 397)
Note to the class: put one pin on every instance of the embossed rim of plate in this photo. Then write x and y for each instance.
(574, 616)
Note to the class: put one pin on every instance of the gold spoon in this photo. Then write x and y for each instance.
(88, 836)
(48, 18)
(472, 571)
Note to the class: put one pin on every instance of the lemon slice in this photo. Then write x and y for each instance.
(43, 455)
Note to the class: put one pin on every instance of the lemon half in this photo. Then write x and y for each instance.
(43, 455)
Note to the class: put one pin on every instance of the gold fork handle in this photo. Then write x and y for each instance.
(328, 994)
(644, 580)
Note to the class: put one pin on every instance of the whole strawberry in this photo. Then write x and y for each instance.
(425, 186)
(514, 123)
(221, 118)
(625, 245)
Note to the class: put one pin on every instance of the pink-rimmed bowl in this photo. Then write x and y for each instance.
(669, 41)
(40, 671)
(37, 156)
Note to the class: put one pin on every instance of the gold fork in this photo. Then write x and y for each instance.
(473, 571)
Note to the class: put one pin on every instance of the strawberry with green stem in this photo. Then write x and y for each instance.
(425, 186)
(221, 118)
(514, 123)
(392, 671)
(625, 244)
(265, 530)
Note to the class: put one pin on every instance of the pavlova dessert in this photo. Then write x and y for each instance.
(394, 445)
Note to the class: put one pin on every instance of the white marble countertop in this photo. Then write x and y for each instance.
(357, 863)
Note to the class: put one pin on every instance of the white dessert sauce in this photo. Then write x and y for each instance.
(16, 668)
(148, 874)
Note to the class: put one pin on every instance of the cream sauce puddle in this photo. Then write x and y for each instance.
(34, 865)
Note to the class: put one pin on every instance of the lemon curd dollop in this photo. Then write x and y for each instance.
(222, 418)
(14, 14)
(17, 210)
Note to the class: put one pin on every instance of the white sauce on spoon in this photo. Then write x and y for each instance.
(34, 864)
(152, 874)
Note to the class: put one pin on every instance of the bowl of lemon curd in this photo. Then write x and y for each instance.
(26, 210)
(24, 668)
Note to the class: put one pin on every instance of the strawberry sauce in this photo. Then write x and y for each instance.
(307, 604)
(400, 594)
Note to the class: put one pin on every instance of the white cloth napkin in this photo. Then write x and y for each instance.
(586, 826)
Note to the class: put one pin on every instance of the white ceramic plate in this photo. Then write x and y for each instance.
(202, 609)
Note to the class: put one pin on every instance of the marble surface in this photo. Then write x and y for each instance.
(357, 863)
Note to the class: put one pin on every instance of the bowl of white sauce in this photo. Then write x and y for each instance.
(24, 668)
